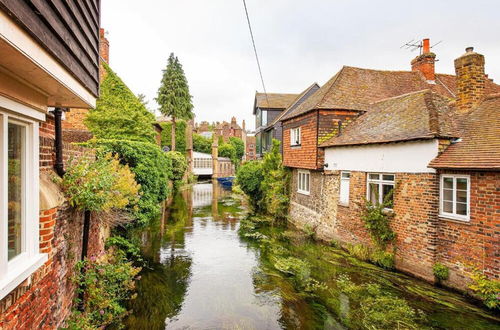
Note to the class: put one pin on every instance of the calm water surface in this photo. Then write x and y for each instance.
(202, 274)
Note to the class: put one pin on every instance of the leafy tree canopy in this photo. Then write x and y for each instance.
(119, 114)
(180, 135)
(239, 146)
(202, 144)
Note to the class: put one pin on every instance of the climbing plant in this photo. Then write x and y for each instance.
(377, 220)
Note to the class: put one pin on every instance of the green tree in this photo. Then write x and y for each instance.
(227, 150)
(238, 144)
(173, 95)
(119, 114)
(202, 144)
(180, 135)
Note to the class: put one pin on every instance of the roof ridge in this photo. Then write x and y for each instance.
(299, 96)
(338, 74)
(433, 113)
(426, 90)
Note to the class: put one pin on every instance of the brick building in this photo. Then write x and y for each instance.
(250, 151)
(48, 60)
(427, 139)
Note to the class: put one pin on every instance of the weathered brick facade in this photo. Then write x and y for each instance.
(305, 155)
(45, 299)
(423, 237)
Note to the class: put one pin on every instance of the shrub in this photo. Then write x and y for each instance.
(202, 144)
(383, 259)
(131, 251)
(152, 169)
(179, 165)
(359, 251)
(487, 290)
(108, 284)
(276, 184)
(180, 135)
(119, 114)
(99, 185)
(441, 272)
(249, 177)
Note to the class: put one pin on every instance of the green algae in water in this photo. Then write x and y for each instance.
(286, 299)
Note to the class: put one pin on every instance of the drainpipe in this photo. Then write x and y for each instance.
(59, 165)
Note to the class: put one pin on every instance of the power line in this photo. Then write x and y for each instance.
(255, 51)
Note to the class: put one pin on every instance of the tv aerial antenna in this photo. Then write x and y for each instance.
(413, 45)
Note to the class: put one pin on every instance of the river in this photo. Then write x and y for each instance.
(203, 273)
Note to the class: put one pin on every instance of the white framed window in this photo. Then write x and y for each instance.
(19, 198)
(303, 182)
(345, 178)
(295, 136)
(454, 200)
(380, 189)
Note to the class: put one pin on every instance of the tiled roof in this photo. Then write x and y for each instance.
(418, 115)
(356, 88)
(274, 100)
(479, 144)
(296, 102)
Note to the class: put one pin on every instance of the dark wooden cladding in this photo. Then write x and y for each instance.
(67, 29)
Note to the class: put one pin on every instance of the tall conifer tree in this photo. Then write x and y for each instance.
(173, 95)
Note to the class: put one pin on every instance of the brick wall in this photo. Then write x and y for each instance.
(305, 155)
(45, 299)
(423, 238)
(475, 242)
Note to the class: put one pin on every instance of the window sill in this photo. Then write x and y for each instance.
(304, 193)
(20, 273)
(295, 146)
(463, 221)
(343, 204)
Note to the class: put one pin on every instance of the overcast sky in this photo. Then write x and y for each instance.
(299, 42)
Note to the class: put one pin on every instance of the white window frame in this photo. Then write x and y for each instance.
(13, 272)
(380, 182)
(304, 182)
(344, 189)
(453, 215)
(295, 137)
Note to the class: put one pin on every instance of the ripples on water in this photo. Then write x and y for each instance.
(203, 275)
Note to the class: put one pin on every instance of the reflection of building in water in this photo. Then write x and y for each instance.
(202, 194)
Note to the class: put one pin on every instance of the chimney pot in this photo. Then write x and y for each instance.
(426, 46)
(469, 49)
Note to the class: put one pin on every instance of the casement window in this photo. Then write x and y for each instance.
(19, 197)
(345, 178)
(455, 196)
(303, 182)
(295, 136)
(380, 188)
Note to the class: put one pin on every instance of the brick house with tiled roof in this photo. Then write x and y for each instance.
(434, 153)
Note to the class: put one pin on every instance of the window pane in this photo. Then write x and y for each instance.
(447, 207)
(387, 195)
(346, 175)
(462, 208)
(448, 183)
(15, 188)
(388, 177)
(462, 183)
(448, 195)
(462, 196)
(307, 182)
(374, 176)
(373, 193)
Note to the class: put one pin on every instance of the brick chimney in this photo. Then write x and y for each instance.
(103, 46)
(471, 80)
(425, 62)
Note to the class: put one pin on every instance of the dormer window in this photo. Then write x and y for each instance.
(295, 136)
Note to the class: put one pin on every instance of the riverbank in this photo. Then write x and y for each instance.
(209, 266)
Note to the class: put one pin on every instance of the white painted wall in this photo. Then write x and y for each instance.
(401, 157)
